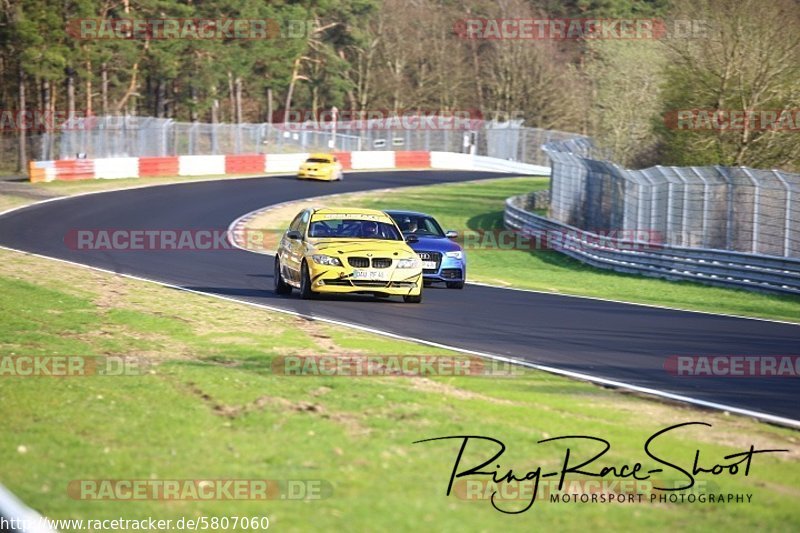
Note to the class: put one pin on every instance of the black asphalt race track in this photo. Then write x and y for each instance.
(616, 341)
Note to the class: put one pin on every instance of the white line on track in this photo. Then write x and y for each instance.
(544, 368)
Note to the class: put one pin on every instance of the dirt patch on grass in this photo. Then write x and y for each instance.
(351, 422)
(437, 387)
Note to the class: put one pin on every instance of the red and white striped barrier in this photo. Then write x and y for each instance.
(255, 164)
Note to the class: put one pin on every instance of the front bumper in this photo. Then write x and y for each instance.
(399, 282)
(450, 269)
(315, 174)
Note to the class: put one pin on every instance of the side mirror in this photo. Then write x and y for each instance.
(294, 235)
(412, 238)
(451, 234)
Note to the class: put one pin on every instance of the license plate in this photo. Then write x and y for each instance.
(429, 264)
(378, 275)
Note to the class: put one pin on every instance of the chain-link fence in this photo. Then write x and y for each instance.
(130, 136)
(726, 208)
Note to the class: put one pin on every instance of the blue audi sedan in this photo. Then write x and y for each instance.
(442, 259)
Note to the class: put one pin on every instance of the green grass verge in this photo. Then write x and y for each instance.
(211, 408)
(479, 206)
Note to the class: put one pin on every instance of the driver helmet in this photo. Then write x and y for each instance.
(370, 229)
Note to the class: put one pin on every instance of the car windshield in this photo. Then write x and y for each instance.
(317, 160)
(418, 225)
(345, 228)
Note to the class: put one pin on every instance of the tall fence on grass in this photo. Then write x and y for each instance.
(131, 136)
(725, 208)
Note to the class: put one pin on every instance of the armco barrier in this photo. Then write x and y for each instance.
(451, 160)
(152, 167)
(284, 162)
(41, 171)
(412, 159)
(206, 165)
(245, 164)
(116, 167)
(345, 159)
(367, 160)
(713, 267)
(201, 165)
(75, 169)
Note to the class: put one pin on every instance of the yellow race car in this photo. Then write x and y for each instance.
(342, 250)
(321, 167)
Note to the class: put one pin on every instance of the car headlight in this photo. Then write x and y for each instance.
(458, 254)
(326, 260)
(408, 263)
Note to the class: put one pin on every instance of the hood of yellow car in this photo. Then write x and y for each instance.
(315, 166)
(362, 246)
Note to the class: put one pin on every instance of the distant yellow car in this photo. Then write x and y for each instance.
(321, 167)
(342, 250)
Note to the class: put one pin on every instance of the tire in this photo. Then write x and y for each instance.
(413, 299)
(281, 287)
(455, 284)
(305, 284)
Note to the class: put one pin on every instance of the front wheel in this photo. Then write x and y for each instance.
(413, 299)
(305, 283)
(281, 287)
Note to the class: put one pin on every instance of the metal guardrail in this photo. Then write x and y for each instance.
(713, 267)
(748, 210)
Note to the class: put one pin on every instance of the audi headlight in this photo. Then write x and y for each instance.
(458, 254)
(326, 260)
(408, 263)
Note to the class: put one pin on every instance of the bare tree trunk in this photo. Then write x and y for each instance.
(288, 106)
(193, 113)
(70, 92)
(238, 89)
(23, 141)
(131, 89)
(3, 86)
(45, 92)
(160, 90)
(351, 97)
(104, 88)
(88, 88)
(47, 149)
(37, 83)
(231, 97)
(269, 105)
(215, 111)
(314, 101)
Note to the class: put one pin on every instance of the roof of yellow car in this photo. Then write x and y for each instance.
(321, 156)
(350, 211)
